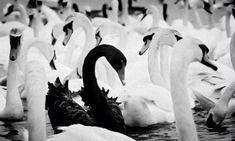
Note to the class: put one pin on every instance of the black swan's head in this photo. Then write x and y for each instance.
(118, 61)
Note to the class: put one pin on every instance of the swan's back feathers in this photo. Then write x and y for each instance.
(62, 110)
(88, 133)
(108, 114)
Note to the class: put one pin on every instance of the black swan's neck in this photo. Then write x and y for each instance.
(89, 79)
(105, 110)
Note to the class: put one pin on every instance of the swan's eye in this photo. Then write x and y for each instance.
(110, 8)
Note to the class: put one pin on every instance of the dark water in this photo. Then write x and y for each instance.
(12, 131)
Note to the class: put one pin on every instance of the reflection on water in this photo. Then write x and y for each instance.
(12, 131)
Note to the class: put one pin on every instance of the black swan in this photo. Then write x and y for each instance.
(102, 110)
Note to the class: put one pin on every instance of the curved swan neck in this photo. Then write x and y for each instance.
(89, 43)
(13, 96)
(50, 14)
(156, 16)
(232, 50)
(114, 13)
(45, 48)
(227, 95)
(37, 23)
(89, 78)
(125, 8)
(36, 89)
(164, 64)
(122, 39)
(184, 120)
(23, 13)
(153, 66)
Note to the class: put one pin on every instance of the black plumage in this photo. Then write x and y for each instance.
(102, 111)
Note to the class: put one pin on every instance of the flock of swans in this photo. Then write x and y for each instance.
(96, 76)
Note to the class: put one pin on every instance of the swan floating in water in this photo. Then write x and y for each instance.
(103, 111)
(185, 51)
(13, 109)
(36, 121)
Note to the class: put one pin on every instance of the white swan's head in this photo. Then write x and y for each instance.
(32, 13)
(57, 31)
(192, 49)
(201, 4)
(72, 22)
(10, 13)
(108, 28)
(117, 60)
(150, 10)
(158, 37)
(15, 43)
(62, 4)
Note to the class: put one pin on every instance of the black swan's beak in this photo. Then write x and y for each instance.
(121, 75)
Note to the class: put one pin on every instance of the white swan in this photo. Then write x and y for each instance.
(13, 109)
(223, 108)
(142, 97)
(210, 84)
(185, 51)
(154, 18)
(112, 15)
(115, 34)
(73, 22)
(22, 16)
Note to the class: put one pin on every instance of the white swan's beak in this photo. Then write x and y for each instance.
(98, 38)
(67, 36)
(68, 30)
(52, 62)
(15, 42)
(147, 40)
(9, 10)
(212, 122)
(205, 57)
(207, 7)
(53, 39)
(31, 16)
(144, 15)
(208, 63)
(144, 47)
(121, 75)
